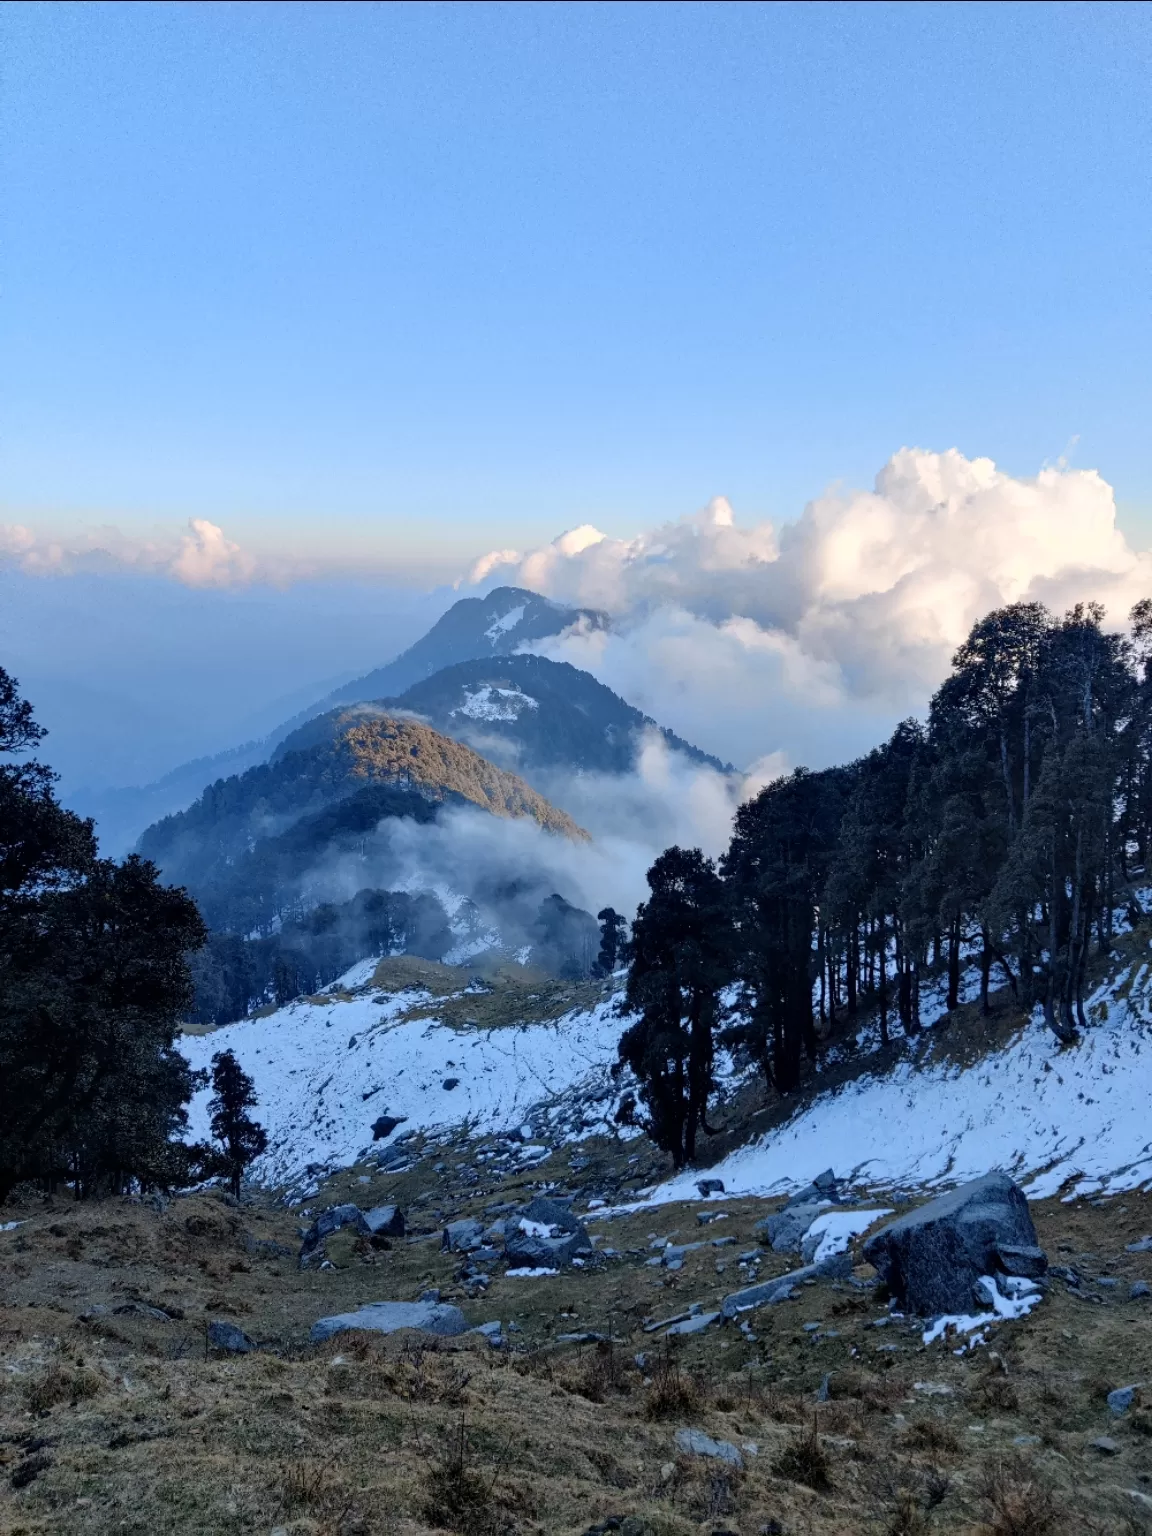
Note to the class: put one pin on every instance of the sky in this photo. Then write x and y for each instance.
(304, 308)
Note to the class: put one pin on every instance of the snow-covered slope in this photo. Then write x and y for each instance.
(1047, 1114)
(325, 1071)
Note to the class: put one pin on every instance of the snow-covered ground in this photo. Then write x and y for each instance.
(1044, 1113)
(492, 703)
(324, 1072)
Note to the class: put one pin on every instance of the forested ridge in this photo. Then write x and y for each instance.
(1010, 823)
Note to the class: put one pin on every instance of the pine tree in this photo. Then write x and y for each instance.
(680, 961)
(240, 1137)
(612, 940)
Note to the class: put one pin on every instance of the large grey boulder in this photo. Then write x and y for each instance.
(694, 1442)
(931, 1258)
(233, 1340)
(385, 1221)
(535, 1250)
(390, 1316)
(551, 1213)
(463, 1235)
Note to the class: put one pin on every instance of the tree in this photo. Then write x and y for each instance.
(240, 1137)
(612, 939)
(680, 961)
(94, 982)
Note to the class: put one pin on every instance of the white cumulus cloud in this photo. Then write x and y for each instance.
(201, 557)
(809, 640)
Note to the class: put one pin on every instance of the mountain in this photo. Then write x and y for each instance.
(526, 712)
(246, 847)
(475, 627)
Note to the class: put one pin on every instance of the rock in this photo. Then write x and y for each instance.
(29, 1470)
(823, 1187)
(449, 1083)
(385, 1221)
(1121, 1399)
(1140, 1291)
(932, 1257)
(390, 1316)
(694, 1442)
(394, 1157)
(1144, 1245)
(710, 1187)
(1105, 1446)
(551, 1213)
(233, 1340)
(824, 1392)
(984, 1292)
(386, 1124)
(1028, 1261)
(693, 1324)
(141, 1309)
(785, 1230)
(463, 1235)
(332, 1220)
(1064, 1272)
(782, 1287)
(529, 1250)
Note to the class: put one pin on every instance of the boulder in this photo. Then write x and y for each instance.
(824, 1186)
(1120, 1399)
(694, 1442)
(783, 1286)
(329, 1221)
(534, 1250)
(1140, 1291)
(785, 1230)
(385, 1125)
(932, 1257)
(228, 1337)
(463, 1235)
(390, 1316)
(385, 1221)
(551, 1213)
(710, 1187)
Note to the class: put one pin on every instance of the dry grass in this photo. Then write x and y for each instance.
(1022, 1504)
(804, 1459)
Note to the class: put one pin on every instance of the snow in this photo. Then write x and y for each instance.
(1007, 1308)
(491, 703)
(836, 1229)
(505, 622)
(10, 1226)
(529, 1274)
(1047, 1114)
(324, 1071)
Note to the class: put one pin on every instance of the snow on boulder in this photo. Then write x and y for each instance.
(932, 1257)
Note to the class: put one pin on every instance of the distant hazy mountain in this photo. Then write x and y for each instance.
(527, 713)
(246, 848)
(474, 627)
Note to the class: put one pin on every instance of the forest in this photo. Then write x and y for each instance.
(1010, 826)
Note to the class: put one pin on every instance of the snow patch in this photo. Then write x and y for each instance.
(836, 1229)
(1006, 1308)
(491, 703)
(504, 623)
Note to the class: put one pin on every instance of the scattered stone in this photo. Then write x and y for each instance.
(783, 1286)
(985, 1291)
(1140, 1291)
(394, 1159)
(1121, 1398)
(931, 1258)
(552, 1213)
(449, 1083)
(1066, 1273)
(1107, 1281)
(1144, 1245)
(141, 1309)
(710, 1187)
(1025, 1440)
(385, 1221)
(385, 1125)
(825, 1186)
(233, 1340)
(694, 1442)
(390, 1316)
(823, 1392)
(706, 1218)
(1105, 1446)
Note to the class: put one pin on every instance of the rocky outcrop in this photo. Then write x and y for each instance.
(390, 1316)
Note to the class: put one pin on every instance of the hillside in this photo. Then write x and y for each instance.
(245, 847)
(531, 713)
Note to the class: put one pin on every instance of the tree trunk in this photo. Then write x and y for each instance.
(985, 970)
(953, 1001)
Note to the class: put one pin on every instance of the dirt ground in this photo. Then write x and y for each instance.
(116, 1417)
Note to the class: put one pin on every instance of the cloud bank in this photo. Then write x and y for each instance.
(200, 557)
(814, 638)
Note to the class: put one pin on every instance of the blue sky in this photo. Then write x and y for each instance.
(390, 285)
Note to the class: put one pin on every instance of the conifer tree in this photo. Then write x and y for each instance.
(242, 1140)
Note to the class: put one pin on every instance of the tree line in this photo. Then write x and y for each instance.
(1007, 827)
(94, 986)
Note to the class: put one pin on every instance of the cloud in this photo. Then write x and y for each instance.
(812, 639)
(201, 557)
